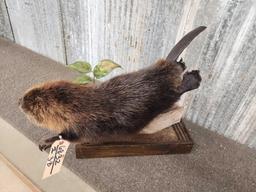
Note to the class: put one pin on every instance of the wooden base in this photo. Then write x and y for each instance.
(172, 140)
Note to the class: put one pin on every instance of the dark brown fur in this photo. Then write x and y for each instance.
(124, 104)
(121, 105)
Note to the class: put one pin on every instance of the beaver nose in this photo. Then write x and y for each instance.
(20, 101)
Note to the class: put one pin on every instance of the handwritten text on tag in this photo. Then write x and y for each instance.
(55, 158)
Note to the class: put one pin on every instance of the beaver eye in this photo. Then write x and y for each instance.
(36, 93)
(27, 99)
(33, 97)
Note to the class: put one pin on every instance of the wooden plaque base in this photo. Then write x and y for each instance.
(172, 140)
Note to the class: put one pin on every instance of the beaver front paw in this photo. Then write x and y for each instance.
(47, 143)
(191, 80)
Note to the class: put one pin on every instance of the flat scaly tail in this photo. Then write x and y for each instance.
(183, 43)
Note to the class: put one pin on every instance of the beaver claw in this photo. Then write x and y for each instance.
(182, 64)
(47, 143)
(43, 147)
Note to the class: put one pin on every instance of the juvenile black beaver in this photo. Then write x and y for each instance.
(119, 106)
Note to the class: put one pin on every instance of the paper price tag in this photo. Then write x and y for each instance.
(55, 158)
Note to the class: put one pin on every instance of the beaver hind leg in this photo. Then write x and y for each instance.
(191, 80)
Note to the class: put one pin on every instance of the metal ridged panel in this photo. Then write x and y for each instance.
(37, 25)
(227, 61)
(5, 26)
(132, 33)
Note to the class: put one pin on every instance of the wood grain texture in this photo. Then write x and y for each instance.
(5, 26)
(172, 140)
(135, 33)
(37, 25)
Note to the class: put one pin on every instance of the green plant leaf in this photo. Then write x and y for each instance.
(104, 67)
(83, 79)
(81, 66)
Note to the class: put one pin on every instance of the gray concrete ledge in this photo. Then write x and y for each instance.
(215, 164)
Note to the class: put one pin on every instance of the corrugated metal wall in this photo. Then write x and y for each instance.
(135, 33)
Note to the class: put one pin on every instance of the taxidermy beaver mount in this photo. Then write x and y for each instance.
(122, 105)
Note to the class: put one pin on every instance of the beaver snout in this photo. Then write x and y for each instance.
(20, 102)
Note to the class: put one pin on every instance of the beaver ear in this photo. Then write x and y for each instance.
(183, 43)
